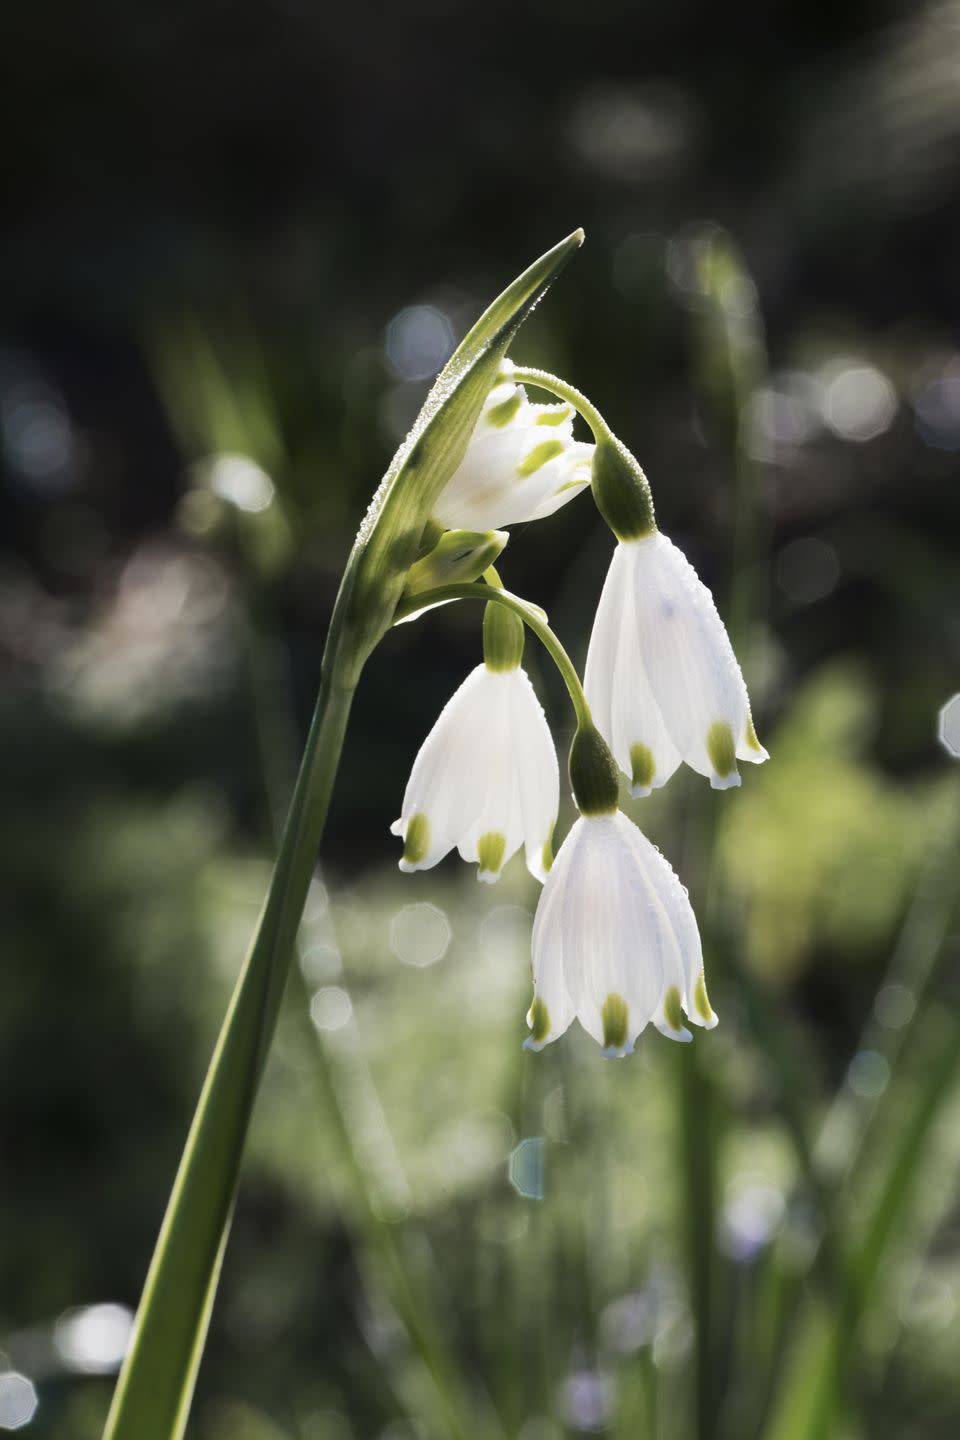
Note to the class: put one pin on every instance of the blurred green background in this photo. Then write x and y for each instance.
(241, 240)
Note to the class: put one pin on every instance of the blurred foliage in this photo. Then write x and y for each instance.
(826, 851)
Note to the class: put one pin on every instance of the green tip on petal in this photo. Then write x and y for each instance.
(546, 854)
(752, 742)
(554, 417)
(643, 769)
(538, 1018)
(417, 841)
(490, 852)
(722, 753)
(672, 1009)
(458, 557)
(614, 1017)
(701, 1002)
(501, 415)
(539, 456)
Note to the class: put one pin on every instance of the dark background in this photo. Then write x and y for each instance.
(217, 216)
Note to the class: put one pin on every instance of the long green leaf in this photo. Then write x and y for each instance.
(155, 1388)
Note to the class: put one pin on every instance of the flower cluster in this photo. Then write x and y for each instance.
(615, 940)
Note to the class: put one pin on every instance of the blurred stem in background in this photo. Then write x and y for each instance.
(729, 343)
(817, 1356)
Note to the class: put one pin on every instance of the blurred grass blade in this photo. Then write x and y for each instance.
(813, 1385)
(155, 1388)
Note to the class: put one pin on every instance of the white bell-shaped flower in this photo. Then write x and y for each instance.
(521, 463)
(615, 941)
(661, 677)
(485, 780)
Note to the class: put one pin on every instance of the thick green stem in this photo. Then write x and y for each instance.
(153, 1394)
(532, 618)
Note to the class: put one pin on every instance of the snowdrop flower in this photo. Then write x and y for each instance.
(486, 778)
(521, 463)
(615, 940)
(661, 676)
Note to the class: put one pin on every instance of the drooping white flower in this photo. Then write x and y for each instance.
(615, 941)
(521, 463)
(661, 677)
(485, 780)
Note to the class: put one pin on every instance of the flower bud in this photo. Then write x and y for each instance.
(458, 557)
(593, 773)
(621, 490)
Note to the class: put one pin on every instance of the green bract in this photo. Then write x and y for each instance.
(389, 538)
(458, 555)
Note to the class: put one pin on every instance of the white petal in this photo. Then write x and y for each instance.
(675, 902)
(749, 747)
(539, 774)
(602, 650)
(446, 780)
(495, 832)
(617, 688)
(552, 1009)
(485, 780)
(519, 465)
(620, 947)
(690, 662)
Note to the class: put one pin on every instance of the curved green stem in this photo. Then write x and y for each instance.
(525, 375)
(531, 617)
(621, 491)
